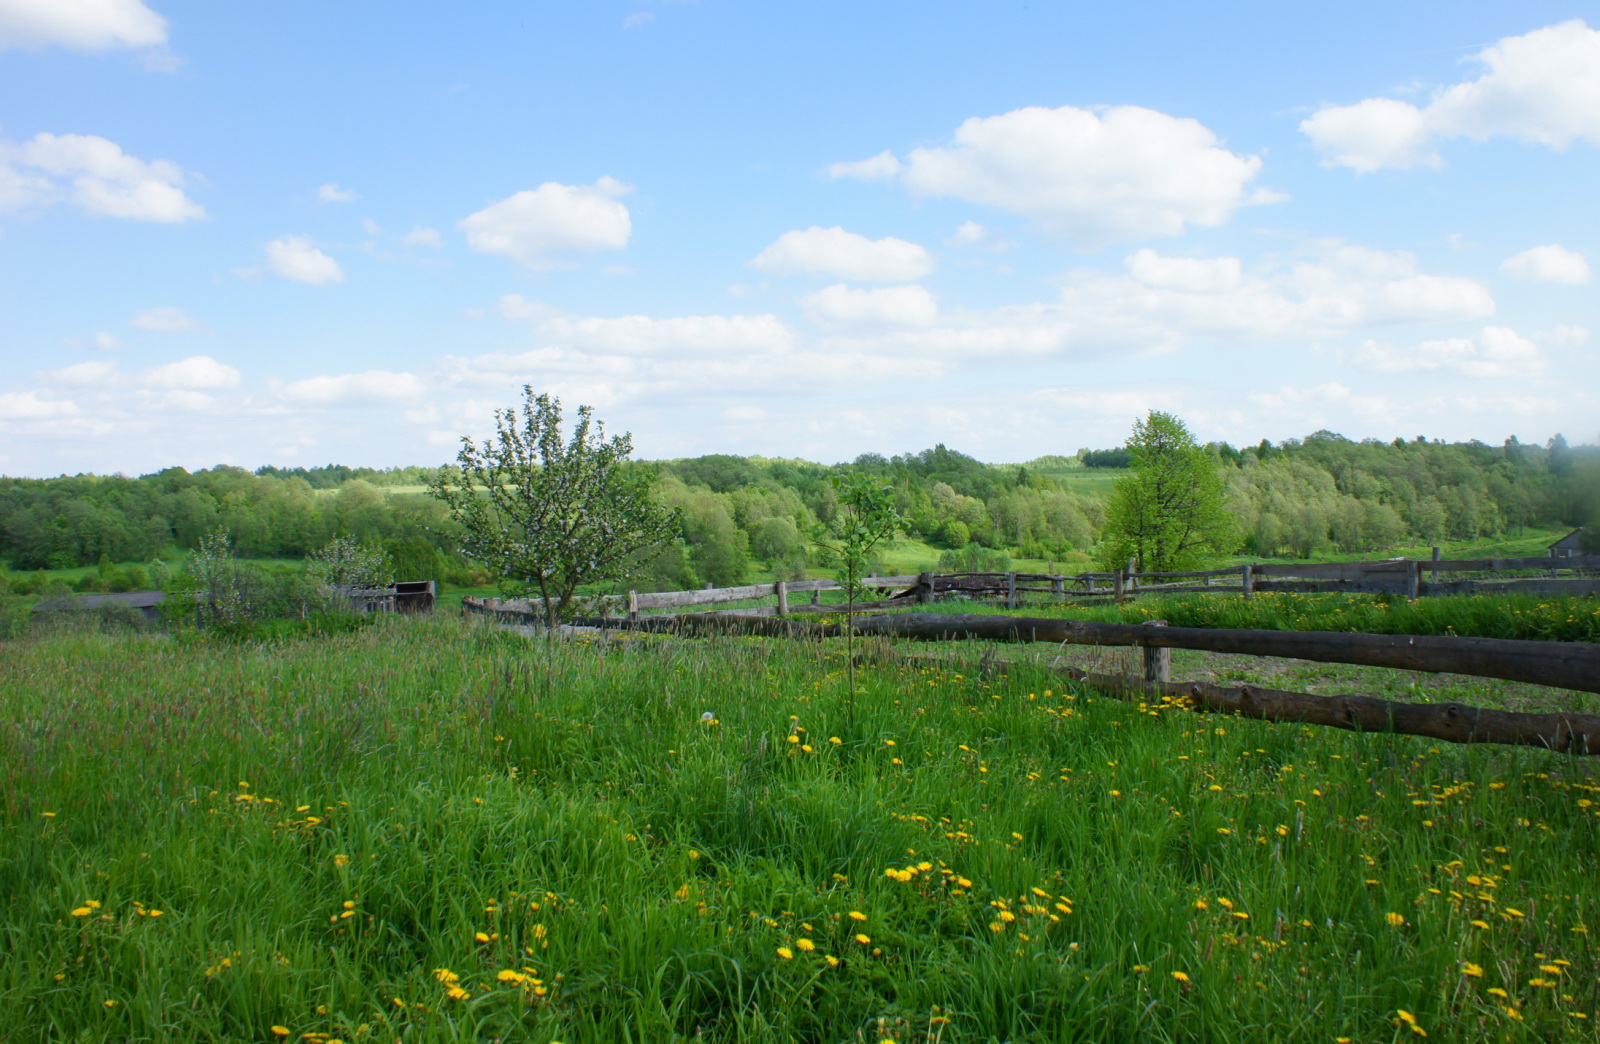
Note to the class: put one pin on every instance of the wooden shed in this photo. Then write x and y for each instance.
(1567, 546)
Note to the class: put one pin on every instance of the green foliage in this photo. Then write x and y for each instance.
(345, 566)
(866, 517)
(1170, 512)
(975, 559)
(549, 514)
(655, 863)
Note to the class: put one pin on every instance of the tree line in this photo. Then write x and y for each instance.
(735, 515)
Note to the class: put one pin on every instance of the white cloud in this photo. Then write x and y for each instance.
(296, 258)
(1548, 264)
(1497, 351)
(845, 255)
(165, 320)
(96, 175)
(94, 373)
(1541, 87)
(520, 309)
(1373, 134)
(1566, 336)
(638, 20)
(697, 334)
(107, 341)
(1330, 288)
(882, 306)
(970, 233)
(27, 405)
(198, 372)
(81, 25)
(1088, 177)
(538, 227)
(882, 167)
(371, 387)
(331, 193)
(424, 236)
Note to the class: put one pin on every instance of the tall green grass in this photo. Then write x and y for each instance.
(414, 832)
(1483, 616)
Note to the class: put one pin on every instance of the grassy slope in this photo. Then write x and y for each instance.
(326, 825)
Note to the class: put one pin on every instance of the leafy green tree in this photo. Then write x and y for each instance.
(1170, 511)
(865, 517)
(548, 514)
(344, 566)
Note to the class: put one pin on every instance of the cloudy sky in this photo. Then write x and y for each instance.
(278, 231)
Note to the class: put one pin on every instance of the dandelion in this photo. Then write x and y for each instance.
(341, 860)
(833, 962)
(1498, 992)
(864, 940)
(1395, 920)
(708, 717)
(786, 953)
(1180, 976)
(82, 911)
(482, 937)
(804, 945)
(1479, 924)
(280, 1031)
(857, 915)
(1468, 968)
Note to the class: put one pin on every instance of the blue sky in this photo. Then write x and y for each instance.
(297, 233)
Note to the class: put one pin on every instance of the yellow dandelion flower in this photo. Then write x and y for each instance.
(786, 953)
(82, 911)
(857, 915)
(1394, 919)
(1480, 924)
(833, 962)
(341, 860)
(1180, 976)
(864, 940)
(1468, 968)
(1498, 992)
(804, 945)
(482, 937)
(280, 1031)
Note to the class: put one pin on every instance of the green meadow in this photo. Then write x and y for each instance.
(423, 831)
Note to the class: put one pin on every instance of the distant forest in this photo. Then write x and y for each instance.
(1321, 493)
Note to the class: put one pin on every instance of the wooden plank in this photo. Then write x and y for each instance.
(1498, 565)
(1566, 665)
(1329, 570)
(1571, 587)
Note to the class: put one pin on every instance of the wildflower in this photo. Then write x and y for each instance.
(833, 962)
(481, 937)
(1468, 968)
(1479, 924)
(82, 911)
(1180, 976)
(1201, 904)
(1498, 992)
(708, 717)
(341, 860)
(786, 953)
(864, 940)
(835, 740)
(1394, 919)
(857, 915)
(804, 945)
(280, 1031)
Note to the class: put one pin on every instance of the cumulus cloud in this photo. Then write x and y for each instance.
(1548, 264)
(372, 387)
(845, 255)
(196, 373)
(1541, 87)
(165, 320)
(885, 166)
(29, 405)
(424, 236)
(1496, 351)
(79, 25)
(840, 305)
(94, 373)
(1331, 287)
(697, 334)
(296, 258)
(541, 227)
(1088, 177)
(95, 175)
(331, 193)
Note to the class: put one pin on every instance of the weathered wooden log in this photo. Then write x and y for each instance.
(1566, 665)
(1451, 722)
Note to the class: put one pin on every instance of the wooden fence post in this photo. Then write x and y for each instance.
(1058, 588)
(816, 596)
(1414, 580)
(1157, 661)
(1249, 581)
(633, 605)
(1011, 590)
(781, 589)
(1435, 577)
(1116, 587)
(1133, 574)
(925, 587)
